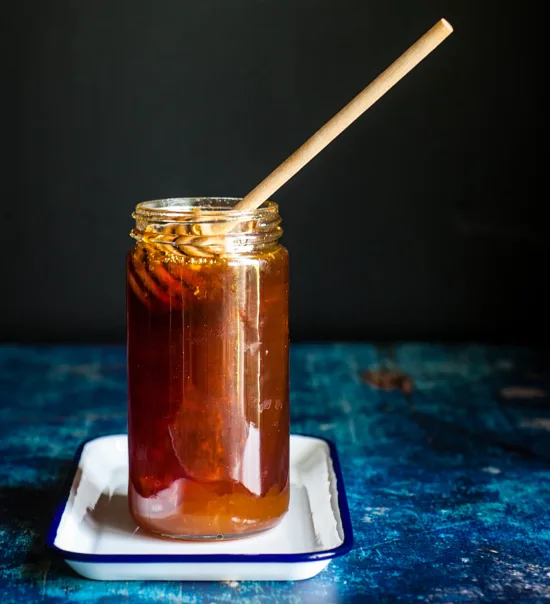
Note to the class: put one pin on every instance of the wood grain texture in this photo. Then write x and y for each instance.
(448, 481)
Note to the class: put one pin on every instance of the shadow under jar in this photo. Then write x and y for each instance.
(208, 409)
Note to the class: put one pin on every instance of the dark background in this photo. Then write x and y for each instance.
(423, 220)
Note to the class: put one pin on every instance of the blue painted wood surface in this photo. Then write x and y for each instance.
(449, 486)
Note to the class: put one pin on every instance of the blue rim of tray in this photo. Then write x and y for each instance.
(327, 554)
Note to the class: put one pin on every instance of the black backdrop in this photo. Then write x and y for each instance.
(421, 221)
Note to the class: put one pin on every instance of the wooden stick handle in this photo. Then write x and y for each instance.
(365, 99)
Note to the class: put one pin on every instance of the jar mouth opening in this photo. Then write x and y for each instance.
(183, 209)
(206, 225)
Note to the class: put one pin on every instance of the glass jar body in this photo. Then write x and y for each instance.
(208, 377)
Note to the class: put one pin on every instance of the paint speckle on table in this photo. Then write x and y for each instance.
(448, 480)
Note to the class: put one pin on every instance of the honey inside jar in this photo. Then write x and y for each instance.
(207, 308)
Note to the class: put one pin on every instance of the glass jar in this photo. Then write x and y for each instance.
(208, 409)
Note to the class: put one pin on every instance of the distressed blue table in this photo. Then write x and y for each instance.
(447, 468)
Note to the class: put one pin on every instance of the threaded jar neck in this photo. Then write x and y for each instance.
(206, 225)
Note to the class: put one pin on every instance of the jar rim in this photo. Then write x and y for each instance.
(176, 209)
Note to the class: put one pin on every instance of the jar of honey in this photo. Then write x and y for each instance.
(208, 408)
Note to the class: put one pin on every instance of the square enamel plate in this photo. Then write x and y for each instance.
(95, 534)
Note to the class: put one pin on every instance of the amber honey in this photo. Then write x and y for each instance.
(207, 306)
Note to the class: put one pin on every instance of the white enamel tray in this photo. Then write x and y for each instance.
(94, 532)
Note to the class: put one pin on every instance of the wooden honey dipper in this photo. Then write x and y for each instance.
(346, 116)
(325, 135)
